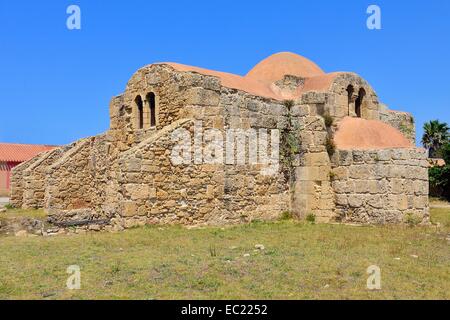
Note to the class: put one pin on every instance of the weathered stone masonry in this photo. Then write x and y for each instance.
(380, 186)
(125, 177)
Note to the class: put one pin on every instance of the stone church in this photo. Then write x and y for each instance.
(343, 155)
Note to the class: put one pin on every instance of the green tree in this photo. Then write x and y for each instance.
(435, 136)
(444, 152)
(440, 176)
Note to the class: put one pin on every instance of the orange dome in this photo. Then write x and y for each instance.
(276, 66)
(357, 133)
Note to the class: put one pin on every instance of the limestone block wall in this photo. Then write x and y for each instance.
(17, 184)
(247, 192)
(139, 184)
(78, 179)
(381, 186)
(235, 193)
(34, 178)
(173, 91)
(313, 193)
(336, 102)
(152, 190)
(402, 121)
(155, 190)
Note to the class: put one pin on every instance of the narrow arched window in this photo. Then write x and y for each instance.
(140, 112)
(359, 102)
(350, 91)
(151, 99)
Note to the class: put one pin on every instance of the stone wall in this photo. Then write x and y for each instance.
(402, 121)
(34, 178)
(204, 193)
(155, 190)
(17, 184)
(312, 192)
(381, 186)
(79, 178)
(173, 90)
(68, 179)
(337, 103)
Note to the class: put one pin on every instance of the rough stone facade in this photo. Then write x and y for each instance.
(18, 183)
(402, 121)
(380, 186)
(127, 176)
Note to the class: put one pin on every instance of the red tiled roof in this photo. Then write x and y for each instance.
(10, 152)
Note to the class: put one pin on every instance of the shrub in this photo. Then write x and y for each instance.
(311, 218)
(289, 104)
(406, 129)
(412, 219)
(9, 206)
(286, 215)
(328, 120)
(332, 175)
(290, 144)
(330, 145)
(115, 267)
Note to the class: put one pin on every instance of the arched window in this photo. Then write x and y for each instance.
(359, 102)
(350, 91)
(151, 100)
(140, 111)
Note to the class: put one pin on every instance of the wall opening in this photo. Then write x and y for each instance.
(359, 102)
(151, 99)
(140, 111)
(350, 91)
(122, 111)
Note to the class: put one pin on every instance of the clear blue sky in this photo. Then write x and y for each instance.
(56, 84)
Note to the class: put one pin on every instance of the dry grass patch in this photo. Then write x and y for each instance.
(299, 261)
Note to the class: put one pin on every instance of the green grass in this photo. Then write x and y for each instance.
(439, 202)
(300, 261)
(16, 215)
(22, 213)
(442, 216)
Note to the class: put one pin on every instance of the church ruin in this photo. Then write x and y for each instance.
(343, 156)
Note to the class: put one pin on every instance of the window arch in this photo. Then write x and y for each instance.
(350, 91)
(151, 100)
(140, 112)
(359, 102)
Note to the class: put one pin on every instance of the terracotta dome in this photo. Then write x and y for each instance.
(280, 64)
(259, 81)
(357, 133)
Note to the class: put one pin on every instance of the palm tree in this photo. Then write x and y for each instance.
(436, 134)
